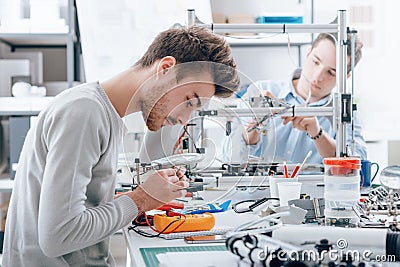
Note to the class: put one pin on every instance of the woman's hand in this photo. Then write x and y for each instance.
(307, 124)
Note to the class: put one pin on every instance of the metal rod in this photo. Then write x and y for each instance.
(341, 73)
(70, 43)
(191, 19)
(271, 28)
(312, 17)
(353, 52)
(260, 112)
(137, 169)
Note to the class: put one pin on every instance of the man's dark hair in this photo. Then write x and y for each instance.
(196, 44)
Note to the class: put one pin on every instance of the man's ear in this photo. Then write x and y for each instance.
(164, 64)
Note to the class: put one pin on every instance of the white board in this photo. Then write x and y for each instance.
(115, 34)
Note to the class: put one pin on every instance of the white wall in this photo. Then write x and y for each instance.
(376, 87)
(260, 62)
(264, 63)
(259, 7)
(115, 34)
(375, 79)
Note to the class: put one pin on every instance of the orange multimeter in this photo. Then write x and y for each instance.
(184, 223)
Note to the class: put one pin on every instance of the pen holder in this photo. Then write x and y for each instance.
(288, 191)
(273, 184)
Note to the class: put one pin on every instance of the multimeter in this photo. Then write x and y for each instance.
(187, 223)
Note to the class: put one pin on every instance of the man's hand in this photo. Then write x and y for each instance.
(159, 188)
(307, 124)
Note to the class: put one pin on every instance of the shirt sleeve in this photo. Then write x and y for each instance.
(76, 137)
(234, 147)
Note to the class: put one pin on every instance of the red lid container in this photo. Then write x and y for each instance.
(342, 166)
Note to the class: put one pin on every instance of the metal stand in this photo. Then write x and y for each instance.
(393, 212)
(342, 105)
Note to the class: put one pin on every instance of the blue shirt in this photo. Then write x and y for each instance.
(283, 142)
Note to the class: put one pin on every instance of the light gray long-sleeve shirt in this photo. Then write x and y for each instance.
(62, 210)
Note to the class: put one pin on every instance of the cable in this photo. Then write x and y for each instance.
(181, 137)
(247, 228)
(190, 137)
(254, 37)
(255, 204)
(178, 142)
(289, 53)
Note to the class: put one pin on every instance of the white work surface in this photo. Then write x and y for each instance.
(229, 218)
(135, 242)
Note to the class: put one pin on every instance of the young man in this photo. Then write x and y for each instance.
(290, 138)
(63, 210)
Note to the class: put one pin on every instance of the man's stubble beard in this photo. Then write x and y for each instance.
(153, 109)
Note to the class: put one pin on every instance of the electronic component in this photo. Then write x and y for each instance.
(378, 241)
(184, 223)
(314, 207)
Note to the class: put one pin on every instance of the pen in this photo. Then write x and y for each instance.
(285, 170)
(295, 171)
(298, 168)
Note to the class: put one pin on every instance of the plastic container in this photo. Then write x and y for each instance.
(342, 191)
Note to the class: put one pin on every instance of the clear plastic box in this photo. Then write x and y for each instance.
(342, 191)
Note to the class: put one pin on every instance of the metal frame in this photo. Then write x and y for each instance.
(70, 43)
(341, 101)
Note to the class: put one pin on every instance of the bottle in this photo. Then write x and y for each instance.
(342, 191)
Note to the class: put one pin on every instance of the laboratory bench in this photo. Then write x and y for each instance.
(142, 250)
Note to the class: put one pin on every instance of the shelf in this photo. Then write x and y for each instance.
(16, 106)
(57, 36)
(32, 39)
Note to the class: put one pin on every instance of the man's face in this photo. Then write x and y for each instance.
(175, 105)
(319, 71)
